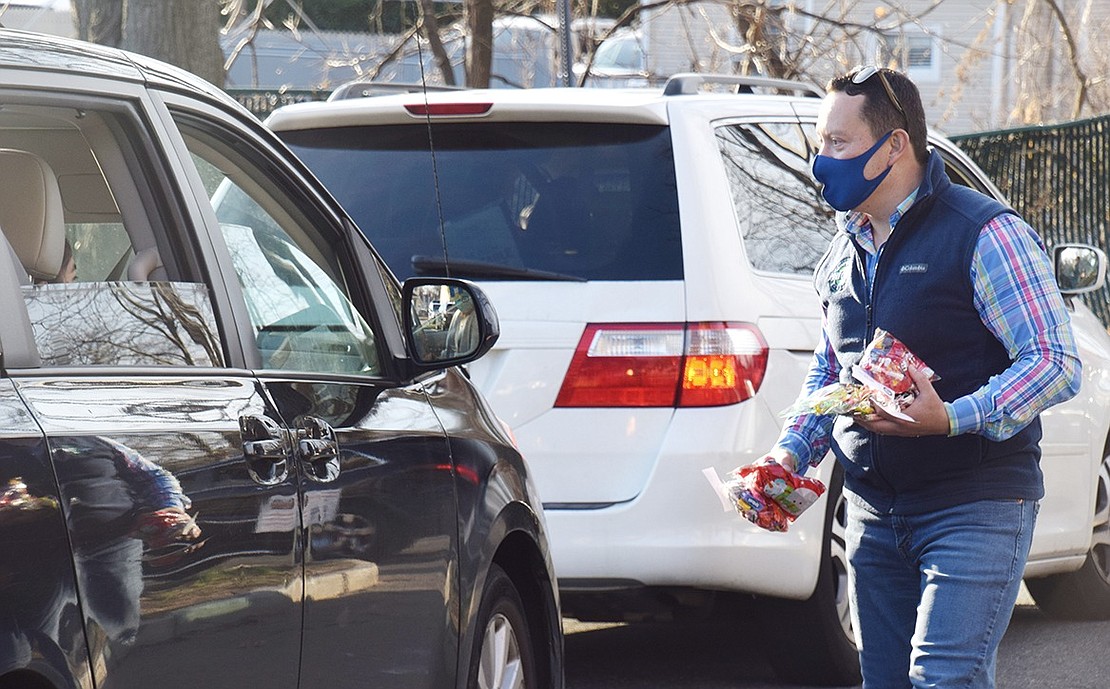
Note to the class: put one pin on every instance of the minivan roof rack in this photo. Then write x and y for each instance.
(364, 89)
(691, 82)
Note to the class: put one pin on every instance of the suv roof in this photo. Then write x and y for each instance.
(634, 105)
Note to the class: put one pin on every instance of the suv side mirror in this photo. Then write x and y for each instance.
(1079, 268)
(448, 322)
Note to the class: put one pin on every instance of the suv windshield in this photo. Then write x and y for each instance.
(517, 201)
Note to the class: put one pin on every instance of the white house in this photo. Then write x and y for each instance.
(44, 16)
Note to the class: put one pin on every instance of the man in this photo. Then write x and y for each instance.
(941, 508)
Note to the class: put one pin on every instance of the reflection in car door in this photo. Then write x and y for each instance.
(184, 530)
(38, 595)
(154, 605)
(376, 479)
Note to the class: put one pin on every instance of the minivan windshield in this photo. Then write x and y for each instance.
(516, 201)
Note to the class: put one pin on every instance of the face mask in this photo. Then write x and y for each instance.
(845, 185)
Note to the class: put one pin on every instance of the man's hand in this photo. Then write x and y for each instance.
(927, 411)
(167, 525)
(783, 457)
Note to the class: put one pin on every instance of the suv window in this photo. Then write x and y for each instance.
(516, 200)
(103, 281)
(291, 274)
(785, 224)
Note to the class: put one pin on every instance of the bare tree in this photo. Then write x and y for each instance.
(1060, 71)
(246, 17)
(1054, 63)
(479, 53)
(99, 21)
(430, 24)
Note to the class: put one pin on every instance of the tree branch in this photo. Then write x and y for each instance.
(1073, 58)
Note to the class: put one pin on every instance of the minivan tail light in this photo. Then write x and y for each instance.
(664, 365)
(448, 109)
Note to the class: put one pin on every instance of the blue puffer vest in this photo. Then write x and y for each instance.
(923, 295)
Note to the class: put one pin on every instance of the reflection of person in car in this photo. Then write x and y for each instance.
(478, 223)
(115, 501)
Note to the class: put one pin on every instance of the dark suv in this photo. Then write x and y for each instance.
(234, 451)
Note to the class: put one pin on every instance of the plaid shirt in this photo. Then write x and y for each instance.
(1019, 302)
(149, 484)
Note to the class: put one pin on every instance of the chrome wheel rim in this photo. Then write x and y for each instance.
(839, 556)
(500, 666)
(1100, 539)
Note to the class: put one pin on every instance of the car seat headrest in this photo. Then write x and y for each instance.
(31, 214)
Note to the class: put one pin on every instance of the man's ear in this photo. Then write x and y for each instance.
(900, 145)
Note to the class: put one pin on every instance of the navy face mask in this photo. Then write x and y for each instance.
(845, 185)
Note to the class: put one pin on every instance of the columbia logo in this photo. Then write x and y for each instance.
(914, 268)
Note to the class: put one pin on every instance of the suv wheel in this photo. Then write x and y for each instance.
(1085, 593)
(823, 620)
(503, 656)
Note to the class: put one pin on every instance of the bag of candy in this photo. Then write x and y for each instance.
(768, 495)
(886, 363)
(885, 382)
(885, 370)
(838, 398)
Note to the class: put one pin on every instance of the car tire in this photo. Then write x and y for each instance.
(822, 624)
(503, 657)
(1085, 593)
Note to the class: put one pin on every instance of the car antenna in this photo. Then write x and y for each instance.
(432, 151)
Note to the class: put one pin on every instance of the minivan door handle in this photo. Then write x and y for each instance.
(317, 449)
(266, 449)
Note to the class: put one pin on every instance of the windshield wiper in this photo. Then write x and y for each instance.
(427, 265)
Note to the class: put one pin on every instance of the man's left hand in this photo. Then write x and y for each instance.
(927, 411)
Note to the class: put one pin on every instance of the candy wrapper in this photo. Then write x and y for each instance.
(886, 363)
(885, 383)
(838, 398)
(768, 495)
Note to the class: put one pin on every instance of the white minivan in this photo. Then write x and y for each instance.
(650, 254)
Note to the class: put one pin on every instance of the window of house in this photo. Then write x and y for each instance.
(912, 50)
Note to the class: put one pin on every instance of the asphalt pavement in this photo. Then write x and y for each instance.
(1037, 653)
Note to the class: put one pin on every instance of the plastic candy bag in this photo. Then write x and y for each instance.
(838, 398)
(885, 383)
(886, 363)
(768, 495)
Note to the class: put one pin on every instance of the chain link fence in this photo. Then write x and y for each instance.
(1058, 178)
(264, 101)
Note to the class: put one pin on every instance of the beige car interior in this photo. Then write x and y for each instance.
(71, 176)
(93, 186)
(31, 213)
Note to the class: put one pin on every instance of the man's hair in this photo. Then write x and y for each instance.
(880, 114)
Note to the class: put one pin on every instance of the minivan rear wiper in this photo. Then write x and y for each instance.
(478, 270)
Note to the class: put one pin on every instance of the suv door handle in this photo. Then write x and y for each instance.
(317, 449)
(266, 449)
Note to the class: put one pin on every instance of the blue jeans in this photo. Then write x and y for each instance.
(932, 594)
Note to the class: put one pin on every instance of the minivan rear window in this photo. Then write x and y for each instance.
(516, 201)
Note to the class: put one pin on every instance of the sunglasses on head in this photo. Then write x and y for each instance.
(866, 73)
